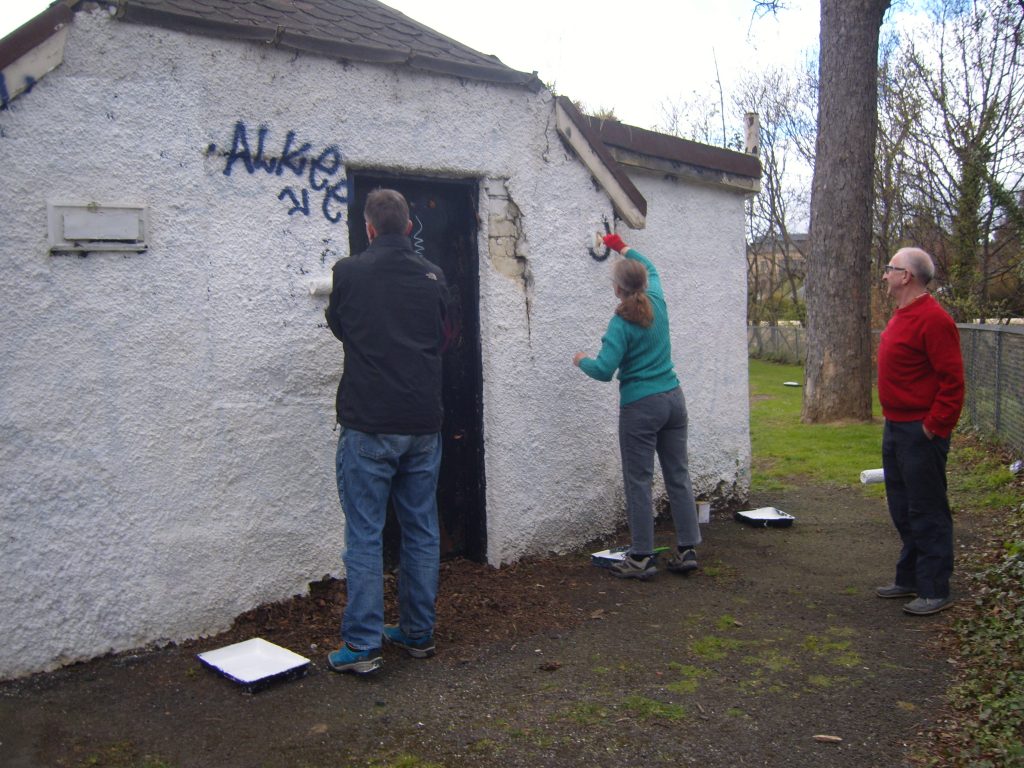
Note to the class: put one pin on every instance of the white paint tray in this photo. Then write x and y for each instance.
(765, 517)
(255, 663)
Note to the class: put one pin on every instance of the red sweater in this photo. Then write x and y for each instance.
(920, 369)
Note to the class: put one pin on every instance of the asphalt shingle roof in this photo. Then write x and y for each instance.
(361, 30)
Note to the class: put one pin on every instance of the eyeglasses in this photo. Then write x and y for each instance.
(890, 268)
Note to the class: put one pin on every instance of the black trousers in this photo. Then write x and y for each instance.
(915, 487)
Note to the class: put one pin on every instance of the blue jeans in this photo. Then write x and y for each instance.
(915, 488)
(371, 469)
(657, 424)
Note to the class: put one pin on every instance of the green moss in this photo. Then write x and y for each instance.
(822, 681)
(686, 685)
(770, 660)
(726, 622)
(407, 761)
(649, 709)
(714, 648)
(122, 754)
(586, 713)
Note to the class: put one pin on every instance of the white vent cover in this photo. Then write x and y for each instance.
(95, 227)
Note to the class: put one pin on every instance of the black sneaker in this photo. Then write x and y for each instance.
(628, 568)
(684, 562)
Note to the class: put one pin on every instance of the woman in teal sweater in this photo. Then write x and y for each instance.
(652, 413)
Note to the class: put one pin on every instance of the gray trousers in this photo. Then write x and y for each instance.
(657, 424)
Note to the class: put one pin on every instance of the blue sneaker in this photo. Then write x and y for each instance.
(420, 648)
(348, 659)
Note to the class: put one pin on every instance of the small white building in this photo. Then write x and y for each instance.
(179, 178)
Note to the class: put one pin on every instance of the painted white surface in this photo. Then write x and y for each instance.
(558, 482)
(167, 419)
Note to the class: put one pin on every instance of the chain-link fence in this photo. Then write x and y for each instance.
(778, 343)
(994, 369)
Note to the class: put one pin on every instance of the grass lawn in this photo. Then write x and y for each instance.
(787, 452)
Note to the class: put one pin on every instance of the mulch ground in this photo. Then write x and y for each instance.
(477, 605)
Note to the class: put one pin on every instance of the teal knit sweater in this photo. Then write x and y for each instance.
(643, 356)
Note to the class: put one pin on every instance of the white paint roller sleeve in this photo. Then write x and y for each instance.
(872, 476)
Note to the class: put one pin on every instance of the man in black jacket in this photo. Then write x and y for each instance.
(387, 307)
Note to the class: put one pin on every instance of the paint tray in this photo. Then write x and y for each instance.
(765, 517)
(606, 558)
(255, 664)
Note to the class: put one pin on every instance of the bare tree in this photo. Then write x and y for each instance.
(696, 117)
(776, 257)
(837, 374)
(900, 109)
(968, 148)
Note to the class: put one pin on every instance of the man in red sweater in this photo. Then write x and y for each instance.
(921, 389)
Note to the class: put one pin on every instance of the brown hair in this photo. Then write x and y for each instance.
(630, 277)
(387, 210)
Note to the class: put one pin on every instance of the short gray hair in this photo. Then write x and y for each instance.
(920, 263)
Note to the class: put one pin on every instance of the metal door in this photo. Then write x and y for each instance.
(443, 213)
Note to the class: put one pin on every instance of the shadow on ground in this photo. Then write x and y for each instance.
(777, 640)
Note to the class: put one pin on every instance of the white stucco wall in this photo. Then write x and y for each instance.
(166, 419)
(553, 463)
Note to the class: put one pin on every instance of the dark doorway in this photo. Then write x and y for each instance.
(443, 213)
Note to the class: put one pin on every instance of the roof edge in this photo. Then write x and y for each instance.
(477, 72)
(575, 128)
(29, 35)
(674, 149)
(282, 37)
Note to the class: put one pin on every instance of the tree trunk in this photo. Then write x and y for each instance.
(837, 376)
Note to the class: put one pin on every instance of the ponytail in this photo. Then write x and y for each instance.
(636, 308)
(631, 279)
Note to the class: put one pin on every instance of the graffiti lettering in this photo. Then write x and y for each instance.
(5, 95)
(337, 193)
(293, 159)
(325, 170)
(297, 207)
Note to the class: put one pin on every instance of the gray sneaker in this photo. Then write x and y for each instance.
(628, 568)
(684, 562)
(926, 606)
(895, 590)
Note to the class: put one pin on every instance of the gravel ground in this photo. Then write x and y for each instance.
(779, 639)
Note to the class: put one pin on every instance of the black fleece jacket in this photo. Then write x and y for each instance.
(388, 308)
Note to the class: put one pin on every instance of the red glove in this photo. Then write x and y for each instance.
(614, 242)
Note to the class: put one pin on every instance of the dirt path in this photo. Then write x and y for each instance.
(778, 639)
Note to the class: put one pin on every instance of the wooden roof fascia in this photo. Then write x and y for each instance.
(575, 129)
(32, 50)
(660, 152)
(682, 170)
(33, 32)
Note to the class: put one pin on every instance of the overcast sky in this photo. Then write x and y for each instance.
(630, 56)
